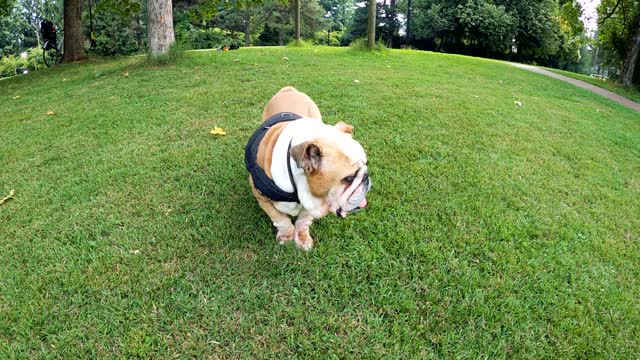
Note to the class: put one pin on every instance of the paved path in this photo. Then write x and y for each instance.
(598, 90)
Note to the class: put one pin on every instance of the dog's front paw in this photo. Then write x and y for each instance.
(286, 235)
(304, 240)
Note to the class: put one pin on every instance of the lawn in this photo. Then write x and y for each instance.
(630, 93)
(494, 230)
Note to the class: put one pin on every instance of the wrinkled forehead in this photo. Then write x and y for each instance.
(354, 151)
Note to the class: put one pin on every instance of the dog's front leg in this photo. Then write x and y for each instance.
(303, 238)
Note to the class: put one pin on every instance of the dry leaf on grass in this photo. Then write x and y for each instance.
(236, 60)
(134, 252)
(218, 131)
(517, 103)
(285, 58)
(126, 74)
(16, 97)
(50, 113)
(10, 196)
(356, 81)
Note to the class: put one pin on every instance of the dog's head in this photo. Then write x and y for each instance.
(335, 166)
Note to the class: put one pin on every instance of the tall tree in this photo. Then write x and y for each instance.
(73, 43)
(371, 33)
(627, 73)
(247, 27)
(297, 18)
(619, 36)
(160, 18)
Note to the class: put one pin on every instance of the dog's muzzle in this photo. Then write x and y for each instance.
(357, 199)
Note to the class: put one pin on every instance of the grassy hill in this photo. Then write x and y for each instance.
(494, 230)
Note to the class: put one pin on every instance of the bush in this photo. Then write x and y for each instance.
(302, 43)
(212, 38)
(320, 38)
(361, 45)
(14, 65)
(8, 65)
(115, 34)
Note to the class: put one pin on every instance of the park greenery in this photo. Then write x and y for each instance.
(494, 230)
(544, 32)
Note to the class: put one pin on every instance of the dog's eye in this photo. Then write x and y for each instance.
(349, 179)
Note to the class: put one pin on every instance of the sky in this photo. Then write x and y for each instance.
(589, 15)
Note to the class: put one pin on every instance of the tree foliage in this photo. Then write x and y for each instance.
(615, 28)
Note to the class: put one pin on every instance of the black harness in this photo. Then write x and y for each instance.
(261, 181)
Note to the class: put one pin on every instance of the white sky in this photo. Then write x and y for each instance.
(589, 14)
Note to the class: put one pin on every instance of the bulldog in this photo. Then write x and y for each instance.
(301, 167)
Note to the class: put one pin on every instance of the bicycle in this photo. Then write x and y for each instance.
(52, 50)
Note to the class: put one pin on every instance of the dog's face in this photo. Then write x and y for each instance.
(336, 169)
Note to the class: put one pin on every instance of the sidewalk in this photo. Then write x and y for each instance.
(598, 90)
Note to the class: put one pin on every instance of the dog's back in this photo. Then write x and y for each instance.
(288, 99)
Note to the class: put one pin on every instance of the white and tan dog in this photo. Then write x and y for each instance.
(300, 166)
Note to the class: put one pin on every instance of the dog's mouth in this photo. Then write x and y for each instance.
(354, 197)
(341, 213)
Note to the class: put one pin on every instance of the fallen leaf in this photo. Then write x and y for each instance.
(65, 79)
(285, 58)
(10, 196)
(126, 74)
(218, 131)
(476, 96)
(356, 81)
(16, 97)
(517, 103)
(236, 60)
(500, 81)
(134, 251)
(50, 113)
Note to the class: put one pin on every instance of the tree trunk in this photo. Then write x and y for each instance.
(392, 21)
(372, 24)
(161, 35)
(631, 56)
(247, 28)
(73, 43)
(297, 16)
(281, 37)
(408, 24)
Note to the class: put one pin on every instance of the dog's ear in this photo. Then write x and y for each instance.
(344, 127)
(307, 156)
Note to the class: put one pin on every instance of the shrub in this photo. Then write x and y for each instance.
(14, 65)
(211, 38)
(302, 43)
(8, 65)
(320, 38)
(361, 45)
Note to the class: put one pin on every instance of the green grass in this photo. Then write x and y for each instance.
(630, 93)
(494, 230)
